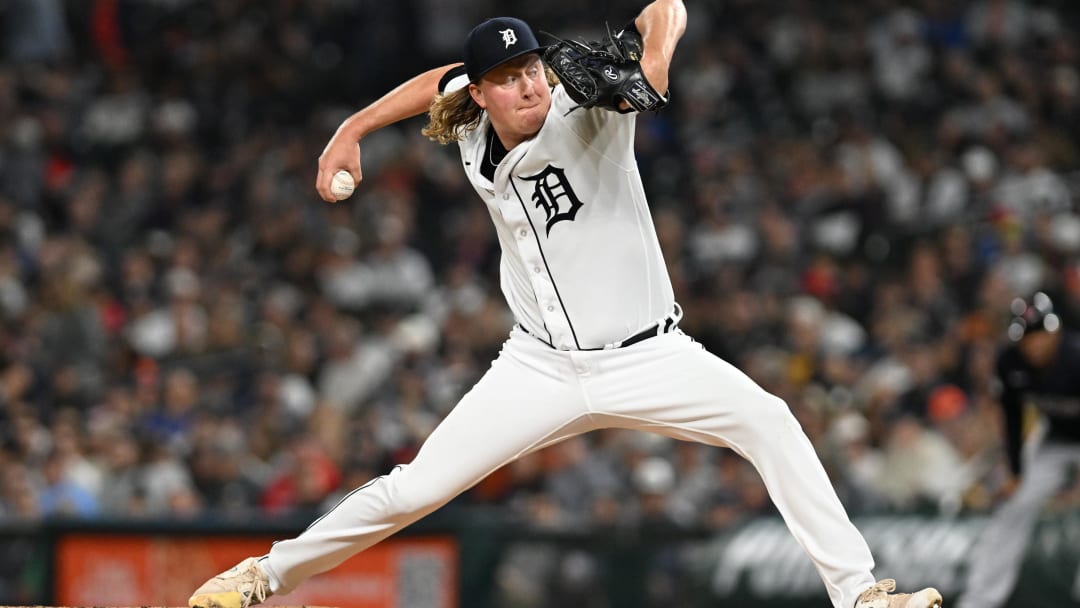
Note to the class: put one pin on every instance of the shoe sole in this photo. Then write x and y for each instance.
(209, 602)
(935, 599)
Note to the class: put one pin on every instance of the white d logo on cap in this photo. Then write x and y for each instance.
(509, 37)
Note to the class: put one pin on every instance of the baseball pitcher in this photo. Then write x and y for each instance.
(546, 137)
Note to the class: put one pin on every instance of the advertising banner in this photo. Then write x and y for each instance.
(761, 566)
(140, 570)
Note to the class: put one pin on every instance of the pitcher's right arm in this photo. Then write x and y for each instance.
(411, 98)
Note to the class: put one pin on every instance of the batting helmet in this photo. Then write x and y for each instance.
(1035, 314)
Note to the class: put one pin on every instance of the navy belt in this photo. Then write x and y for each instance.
(668, 325)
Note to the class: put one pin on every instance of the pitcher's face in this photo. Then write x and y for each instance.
(516, 96)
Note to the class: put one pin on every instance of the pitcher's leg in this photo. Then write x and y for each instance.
(674, 387)
(512, 410)
(999, 551)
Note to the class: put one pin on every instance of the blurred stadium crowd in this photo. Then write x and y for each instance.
(848, 194)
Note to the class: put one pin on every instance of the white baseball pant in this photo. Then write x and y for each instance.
(999, 552)
(534, 396)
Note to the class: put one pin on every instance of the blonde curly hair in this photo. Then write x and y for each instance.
(453, 115)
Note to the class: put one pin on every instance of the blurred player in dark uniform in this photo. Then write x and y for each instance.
(1040, 367)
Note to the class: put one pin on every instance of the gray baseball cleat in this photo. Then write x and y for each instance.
(241, 586)
(881, 596)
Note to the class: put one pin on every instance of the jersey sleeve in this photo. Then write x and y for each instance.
(454, 79)
(606, 131)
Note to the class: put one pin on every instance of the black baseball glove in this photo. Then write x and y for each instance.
(604, 73)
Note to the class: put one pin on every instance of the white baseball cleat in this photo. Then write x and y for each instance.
(241, 586)
(881, 596)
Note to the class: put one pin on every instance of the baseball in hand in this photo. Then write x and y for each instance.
(342, 185)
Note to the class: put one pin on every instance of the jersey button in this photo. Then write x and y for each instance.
(536, 269)
(523, 232)
(506, 197)
(551, 308)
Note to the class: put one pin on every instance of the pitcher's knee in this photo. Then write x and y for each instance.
(769, 416)
(411, 495)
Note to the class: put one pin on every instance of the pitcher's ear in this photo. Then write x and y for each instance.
(477, 96)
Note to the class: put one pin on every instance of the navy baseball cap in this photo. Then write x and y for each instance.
(496, 41)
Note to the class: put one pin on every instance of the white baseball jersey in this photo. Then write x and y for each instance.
(581, 264)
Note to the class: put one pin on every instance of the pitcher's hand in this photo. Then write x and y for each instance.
(340, 154)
